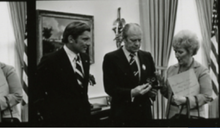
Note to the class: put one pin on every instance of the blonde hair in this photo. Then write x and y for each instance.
(187, 40)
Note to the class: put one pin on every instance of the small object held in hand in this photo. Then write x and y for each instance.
(147, 85)
(157, 87)
(153, 82)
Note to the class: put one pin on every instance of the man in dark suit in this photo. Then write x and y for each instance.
(126, 73)
(62, 79)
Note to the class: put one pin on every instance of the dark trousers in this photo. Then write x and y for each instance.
(135, 114)
(135, 118)
(134, 122)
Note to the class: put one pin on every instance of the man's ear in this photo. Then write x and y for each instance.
(70, 39)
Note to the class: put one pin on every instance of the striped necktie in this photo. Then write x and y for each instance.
(134, 67)
(79, 73)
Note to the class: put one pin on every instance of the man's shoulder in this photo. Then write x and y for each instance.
(113, 53)
(53, 55)
(144, 52)
(51, 58)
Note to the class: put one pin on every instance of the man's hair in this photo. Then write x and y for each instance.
(74, 29)
(126, 29)
(187, 40)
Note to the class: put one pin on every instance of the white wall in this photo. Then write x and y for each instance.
(104, 12)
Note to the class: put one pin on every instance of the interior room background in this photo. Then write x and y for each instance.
(12, 44)
(105, 13)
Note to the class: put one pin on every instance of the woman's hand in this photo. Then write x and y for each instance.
(178, 100)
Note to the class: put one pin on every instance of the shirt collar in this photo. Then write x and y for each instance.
(70, 53)
(127, 53)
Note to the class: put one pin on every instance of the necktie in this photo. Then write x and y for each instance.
(79, 73)
(134, 67)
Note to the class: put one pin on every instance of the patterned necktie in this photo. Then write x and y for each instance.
(134, 67)
(79, 73)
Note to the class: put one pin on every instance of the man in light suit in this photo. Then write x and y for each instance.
(61, 85)
(132, 95)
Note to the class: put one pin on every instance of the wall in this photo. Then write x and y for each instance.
(104, 12)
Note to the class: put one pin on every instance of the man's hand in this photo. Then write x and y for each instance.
(140, 90)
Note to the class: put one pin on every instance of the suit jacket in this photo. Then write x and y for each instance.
(65, 101)
(118, 82)
(204, 80)
(10, 86)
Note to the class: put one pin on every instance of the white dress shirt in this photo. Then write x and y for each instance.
(127, 54)
(72, 57)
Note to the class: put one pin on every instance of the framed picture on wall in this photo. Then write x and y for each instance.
(50, 27)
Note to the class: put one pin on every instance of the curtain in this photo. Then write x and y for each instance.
(158, 18)
(18, 11)
(204, 9)
(18, 15)
(7, 48)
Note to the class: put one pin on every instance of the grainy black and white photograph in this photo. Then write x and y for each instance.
(151, 60)
(110, 63)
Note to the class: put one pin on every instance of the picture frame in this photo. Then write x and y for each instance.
(50, 27)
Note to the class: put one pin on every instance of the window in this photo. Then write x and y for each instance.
(7, 42)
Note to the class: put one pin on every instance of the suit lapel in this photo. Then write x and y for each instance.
(144, 66)
(124, 64)
(66, 69)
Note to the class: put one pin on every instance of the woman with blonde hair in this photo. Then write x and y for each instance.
(186, 45)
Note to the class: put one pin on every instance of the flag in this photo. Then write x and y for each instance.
(214, 71)
(25, 71)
